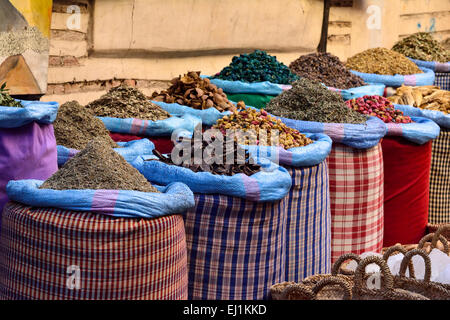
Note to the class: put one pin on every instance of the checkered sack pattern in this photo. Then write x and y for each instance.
(117, 258)
(357, 195)
(235, 247)
(439, 205)
(442, 80)
(308, 231)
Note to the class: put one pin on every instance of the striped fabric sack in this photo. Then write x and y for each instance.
(53, 254)
(439, 205)
(352, 93)
(235, 247)
(356, 194)
(308, 231)
(436, 66)
(443, 80)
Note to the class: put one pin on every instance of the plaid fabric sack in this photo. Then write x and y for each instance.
(439, 205)
(443, 80)
(58, 254)
(308, 231)
(235, 247)
(356, 194)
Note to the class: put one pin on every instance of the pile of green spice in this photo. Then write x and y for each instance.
(96, 167)
(422, 46)
(6, 100)
(76, 125)
(257, 66)
(310, 101)
(327, 69)
(382, 61)
(127, 102)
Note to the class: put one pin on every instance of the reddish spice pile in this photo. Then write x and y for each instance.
(379, 107)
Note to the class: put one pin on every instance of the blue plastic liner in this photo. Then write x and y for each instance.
(357, 92)
(360, 136)
(235, 87)
(166, 127)
(420, 131)
(40, 112)
(272, 183)
(306, 156)
(208, 116)
(129, 150)
(441, 67)
(419, 79)
(174, 198)
(441, 118)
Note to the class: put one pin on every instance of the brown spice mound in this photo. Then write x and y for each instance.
(196, 92)
(382, 61)
(96, 167)
(127, 102)
(76, 125)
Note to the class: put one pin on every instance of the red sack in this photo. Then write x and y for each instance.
(162, 144)
(406, 190)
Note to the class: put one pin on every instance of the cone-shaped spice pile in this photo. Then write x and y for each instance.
(98, 166)
(76, 125)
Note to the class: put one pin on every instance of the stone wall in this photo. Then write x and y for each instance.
(148, 42)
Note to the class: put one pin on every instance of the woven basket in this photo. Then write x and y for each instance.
(387, 290)
(327, 288)
(442, 229)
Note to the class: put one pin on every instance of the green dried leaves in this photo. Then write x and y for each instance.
(6, 100)
(310, 101)
(422, 46)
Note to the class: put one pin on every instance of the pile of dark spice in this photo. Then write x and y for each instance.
(327, 69)
(422, 46)
(196, 92)
(6, 100)
(96, 167)
(76, 125)
(310, 101)
(257, 66)
(379, 107)
(382, 61)
(248, 168)
(127, 102)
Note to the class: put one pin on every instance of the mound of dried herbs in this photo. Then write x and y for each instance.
(422, 46)
(196, 92)
(248, 168)
(382, 61)
(96, 167)
(257, 66)
(6, 100)
(127, 102)
(310, 101)
(76, 125)
(327, 69)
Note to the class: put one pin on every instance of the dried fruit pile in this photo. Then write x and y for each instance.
(126, 102)
(424, 97)
(196, 92)
(6, 100)
(257, 66)
(310, 101)
(76, 125)
(327, 69)
(379, 107)
(422, 46)
(96, 167)
(247, 168)
(256, 127)
(382, 61)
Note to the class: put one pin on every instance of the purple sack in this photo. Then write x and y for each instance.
(26, 152)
